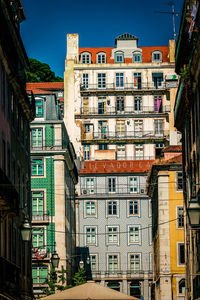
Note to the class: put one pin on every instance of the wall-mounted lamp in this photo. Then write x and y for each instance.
(193, 211)
(55, 259)
(26, 231)
(128, 122)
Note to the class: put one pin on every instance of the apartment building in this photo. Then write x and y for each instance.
(165, 187)
(118, 110)
(16, 112)
(53, 179)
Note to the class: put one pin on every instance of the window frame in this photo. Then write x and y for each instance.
(178, 245)
(154, 53)
(90, 187)
(113, 234)
(178, 288)
(119, 80)
(85, 80)
(96, 262)
(133, 186)
(42, 164)
(138, 208)
(114, 256)
(177, 181)
(39, 115)
(136, 240)
(86, 57)
(91, 208)
(129, 262)
(112, 185)
(91, 235)
(38, 145)
(101, 58)
(110, 207)
(117, 55)
(137, 54)
(101, 80)
(179, 217)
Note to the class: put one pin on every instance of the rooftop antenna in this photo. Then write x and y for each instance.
(173, 13)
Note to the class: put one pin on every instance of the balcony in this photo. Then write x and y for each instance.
(127, 87)
(40, 217)
(40, 253)
(121, 274)
(94, 137)
(118, 190)
(113, 111)
(44, 145)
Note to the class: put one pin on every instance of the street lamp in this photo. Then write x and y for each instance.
(193, 211)
(55, 259)
(81, 264)
(26, 231)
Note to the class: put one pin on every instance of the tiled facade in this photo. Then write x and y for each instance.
(118, 110)
(53, 180)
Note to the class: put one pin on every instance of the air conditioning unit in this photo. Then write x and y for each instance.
(142, 191)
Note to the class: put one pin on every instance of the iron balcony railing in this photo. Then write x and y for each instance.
(118, 157)
(40, 216)
(125, 86)
(123, 111)
(147, 134)
(117, 189)
(118, 274)
(48, 145)
(40, 253)
(39, 280)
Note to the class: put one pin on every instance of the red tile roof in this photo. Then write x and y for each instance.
(44, 87)
(173, 148)
(146, 53)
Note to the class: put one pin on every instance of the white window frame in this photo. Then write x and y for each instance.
(86, 150)
(37, 129)
(139, 149)
(85, 80)
(89, 186)
(137, 54)
(129, 261)
(117, 55)
(156, 53)
(138, 207)
(112, 235)
(101, 58)
(117, 208)
(112, 185)
(178, 244)
(134, 186)
(86, 58)
(178, 207)
(113, 270)
(134, 234)
(121, 151)
(91, 235)
(89, 208)
(119, 80)
(101, 80)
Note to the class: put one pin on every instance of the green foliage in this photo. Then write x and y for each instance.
(40, 72)
(79, 277)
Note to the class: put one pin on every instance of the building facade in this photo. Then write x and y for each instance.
(165, 187)
(187, 104)
(118, 110)
(53, 179)
(16, 112)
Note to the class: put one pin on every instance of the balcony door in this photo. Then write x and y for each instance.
(37, 203)
(137, 103)
(101, 105)
(102, 128)
(158, 103)
(137, 80)
(158, 127)
(138, 128)
(120, 128)
(120, 104)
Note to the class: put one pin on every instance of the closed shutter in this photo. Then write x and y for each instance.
(43, 274)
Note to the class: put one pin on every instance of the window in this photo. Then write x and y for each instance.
(181, 254)
(158, 149)
(36, 137)
(156, 56)
(112, 208)
(87, 152)
(85, 58)
(39, 273)
(139, 152)
(133, 184)
(137, 103)
(179, 181)
(88, 128)
(134, 263)
(138, 127)
(180, 216)
(111, 185)
(102, 129)
(101, 105)
(121, 151)
(181, 286)
(137, 80)
(93, 262)
(37, 203)
(85, 107)
(103, 147)
(101, 80)
(91, 236)
(119, 57)
(37, 167)
(39, 108)
(38, 237)
(113, 264)
(134, 235)
(90, 185)
(120, 104)
(120, 128)
(85, 80)
(114, 285)
(158, 103)
(137, 57)
(157, 79)
(158, 127)
(113, 235)
(133, 208)
(101, 58)
(90, 208)
(119, 80)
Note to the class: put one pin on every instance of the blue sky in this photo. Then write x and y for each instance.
(97, 22)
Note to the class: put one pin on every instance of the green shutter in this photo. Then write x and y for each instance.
(43, 274)
(51, 237)
(34, 274)
(49, 135)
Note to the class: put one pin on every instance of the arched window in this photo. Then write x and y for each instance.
(101, 58)
(156, 56)
(85, 58)
(119, 57)
(137, 56)
(181, 286)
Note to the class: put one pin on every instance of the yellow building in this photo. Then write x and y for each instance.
(165, 189)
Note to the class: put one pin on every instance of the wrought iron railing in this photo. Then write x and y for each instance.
(120, 189)
(125, 86)
(40, 253)
(123, 111)
(40, 216)
(51, 145)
